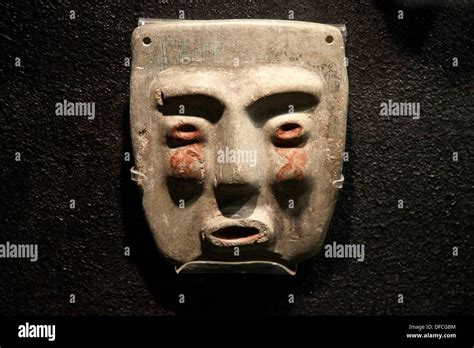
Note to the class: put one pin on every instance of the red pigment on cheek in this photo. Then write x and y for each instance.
(187, 162)
(295, 166)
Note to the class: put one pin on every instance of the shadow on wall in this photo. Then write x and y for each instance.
(221, 294)
(409, 21)
(431, 20)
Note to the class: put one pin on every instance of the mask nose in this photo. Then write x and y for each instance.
(238, 160)
(238, 169)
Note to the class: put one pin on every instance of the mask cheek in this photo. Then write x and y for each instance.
(294, 167)
(187, 162)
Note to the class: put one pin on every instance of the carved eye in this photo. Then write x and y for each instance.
(192, 105)
(184, 134)
(289, 135)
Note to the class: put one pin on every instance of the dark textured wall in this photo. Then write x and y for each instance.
(408, 251)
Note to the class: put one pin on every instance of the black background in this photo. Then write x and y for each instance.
(81, 250)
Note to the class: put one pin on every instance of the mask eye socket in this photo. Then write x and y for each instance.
(289, 135)
(183, 134)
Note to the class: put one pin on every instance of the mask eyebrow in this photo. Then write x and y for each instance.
(283, 90)
(176, 82)
(281, 103)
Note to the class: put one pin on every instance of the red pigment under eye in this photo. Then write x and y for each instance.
(187, 162)
(295, 166)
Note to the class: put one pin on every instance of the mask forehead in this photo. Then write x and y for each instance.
(239, 43)
(235, 64)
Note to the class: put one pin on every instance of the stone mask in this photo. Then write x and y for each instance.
(238, 130)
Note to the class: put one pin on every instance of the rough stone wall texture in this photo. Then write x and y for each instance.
(408, 251)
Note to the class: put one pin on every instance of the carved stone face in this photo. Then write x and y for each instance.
(238, 130)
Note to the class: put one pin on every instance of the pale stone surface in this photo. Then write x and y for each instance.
(238, 130)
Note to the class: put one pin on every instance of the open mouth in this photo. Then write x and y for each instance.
(236, 235)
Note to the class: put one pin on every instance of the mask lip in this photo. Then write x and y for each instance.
(211, 232)
(248, 267)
